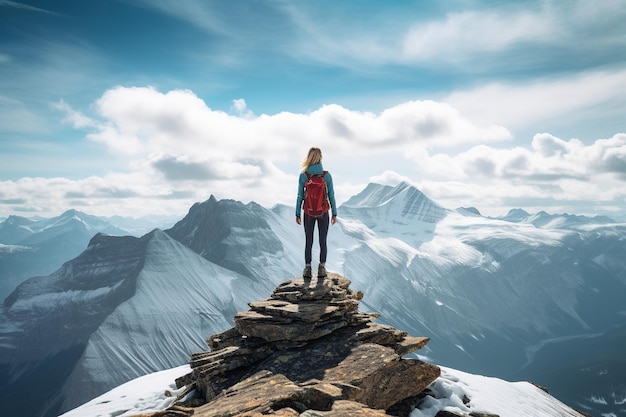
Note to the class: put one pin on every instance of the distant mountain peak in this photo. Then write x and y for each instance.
(374, 194)
(515, 215)
(517, 212)
(14, 220)
(227, 232)
(543, 219)
(402, 201)
(71, 212)
(469, 210)
(402, 212)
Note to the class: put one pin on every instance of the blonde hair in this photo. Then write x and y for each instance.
(313, 157)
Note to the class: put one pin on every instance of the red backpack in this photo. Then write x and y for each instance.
(315, 195)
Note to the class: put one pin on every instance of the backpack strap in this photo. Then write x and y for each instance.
(309, 175)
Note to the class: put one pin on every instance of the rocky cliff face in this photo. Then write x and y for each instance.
(227, 233)
(307, 351)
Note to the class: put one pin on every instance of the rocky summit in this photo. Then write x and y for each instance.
(306, 351)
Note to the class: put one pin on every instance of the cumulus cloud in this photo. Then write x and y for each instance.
(126, 194)
(179, 151)
(240, 108)
(181, 168)
(144, 120)
(549, 159)
(176, 145)
(390, 178)
(609, 155)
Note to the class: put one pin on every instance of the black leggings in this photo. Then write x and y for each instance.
(322, 228)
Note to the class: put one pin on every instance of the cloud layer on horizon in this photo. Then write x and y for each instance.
(178, 151)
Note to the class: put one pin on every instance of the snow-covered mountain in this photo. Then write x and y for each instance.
(125, 307)
(236, 236)
(20, 230)
(494, 295)
(554, 221)
(38, 247)
(401, 212)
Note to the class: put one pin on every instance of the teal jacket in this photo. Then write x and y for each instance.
(316, 169)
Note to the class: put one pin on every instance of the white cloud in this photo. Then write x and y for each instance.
(390, 178)
(462, 34)
(554, 174)
(501, 34)
(240, 108)
(179, 122)
(177, 134)
(183, 168)
(77, 119)
(179, 151)
(549, 159)
(176, 147)
(517, 105)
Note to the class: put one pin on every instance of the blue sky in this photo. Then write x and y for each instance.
(135, 107)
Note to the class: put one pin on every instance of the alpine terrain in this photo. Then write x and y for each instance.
(38, 247)
(500, 297)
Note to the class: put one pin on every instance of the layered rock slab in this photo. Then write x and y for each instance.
(308, 348)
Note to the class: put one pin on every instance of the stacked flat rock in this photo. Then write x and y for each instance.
(308, 351)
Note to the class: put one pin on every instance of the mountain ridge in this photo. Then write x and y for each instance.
(213, 228)
(39, 247)
(457, 279)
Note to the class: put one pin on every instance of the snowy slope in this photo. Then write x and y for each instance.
(488, 395)
(401, 212)
(180, 299)
(490, 293)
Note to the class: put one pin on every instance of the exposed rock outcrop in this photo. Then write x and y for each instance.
(308, 351)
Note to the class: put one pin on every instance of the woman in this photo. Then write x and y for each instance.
(312, 166)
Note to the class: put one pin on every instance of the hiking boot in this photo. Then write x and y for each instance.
(321, 271)
(307, 272)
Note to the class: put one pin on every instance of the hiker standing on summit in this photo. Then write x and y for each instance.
(316, 196)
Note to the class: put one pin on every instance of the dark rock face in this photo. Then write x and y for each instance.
(226, 232)
(308, 351)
